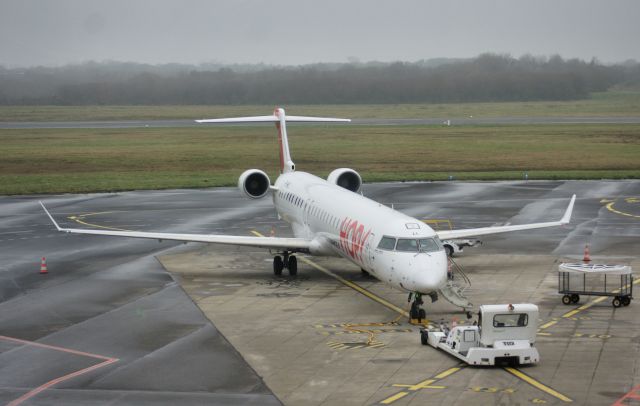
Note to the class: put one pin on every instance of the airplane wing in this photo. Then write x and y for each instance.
(289, 244)
(473, 232)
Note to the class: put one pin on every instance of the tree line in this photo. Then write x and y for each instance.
(488, 77)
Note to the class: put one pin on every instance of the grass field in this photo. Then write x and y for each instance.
(600, 104)
(91, 160)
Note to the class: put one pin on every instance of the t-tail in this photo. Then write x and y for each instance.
(280, 119)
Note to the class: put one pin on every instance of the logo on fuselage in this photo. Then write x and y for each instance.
(352, 238)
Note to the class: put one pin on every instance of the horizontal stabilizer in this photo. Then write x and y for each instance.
(275, 119)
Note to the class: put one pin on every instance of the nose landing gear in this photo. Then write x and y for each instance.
(286, 261)
(416, 311)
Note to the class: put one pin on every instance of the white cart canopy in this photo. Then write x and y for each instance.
(595, 269)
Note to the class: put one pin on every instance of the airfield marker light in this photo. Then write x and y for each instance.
(43, 267)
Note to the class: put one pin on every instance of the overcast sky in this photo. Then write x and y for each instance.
(56, 32)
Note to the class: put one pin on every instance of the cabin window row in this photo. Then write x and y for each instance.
(320, 214)
(291, 198)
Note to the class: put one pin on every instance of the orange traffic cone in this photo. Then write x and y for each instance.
(587, 257)
(43, 267)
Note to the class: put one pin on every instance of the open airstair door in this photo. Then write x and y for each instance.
(452, 293)
(453, 290)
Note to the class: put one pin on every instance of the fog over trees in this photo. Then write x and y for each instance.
(488, 77)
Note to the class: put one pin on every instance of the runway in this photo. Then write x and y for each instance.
(528, 120)
(243, 336)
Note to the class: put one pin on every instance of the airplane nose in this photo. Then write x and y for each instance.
(432, 273)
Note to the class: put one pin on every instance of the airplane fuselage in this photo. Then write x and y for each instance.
(346, 224)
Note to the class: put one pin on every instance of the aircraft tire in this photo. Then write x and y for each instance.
(293, 265)
(278, 265)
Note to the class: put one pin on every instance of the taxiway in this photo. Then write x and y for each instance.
(241, 335)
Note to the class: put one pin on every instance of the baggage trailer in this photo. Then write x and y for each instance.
(595, 280)
(504, 334)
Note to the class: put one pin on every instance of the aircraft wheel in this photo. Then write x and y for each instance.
(424, 337)
(422, 314)
(278, 265)
(616, 302)
(626, 301)
(575, 298)
(566, 299)
(414, 313)
(293, 265)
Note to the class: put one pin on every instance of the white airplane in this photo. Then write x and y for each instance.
(331, 218)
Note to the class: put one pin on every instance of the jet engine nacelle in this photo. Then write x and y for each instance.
(346, 178)
(254, 183)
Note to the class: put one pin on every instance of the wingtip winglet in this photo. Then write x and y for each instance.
(567, 214)
(50, 216)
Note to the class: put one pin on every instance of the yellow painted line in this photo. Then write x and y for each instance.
(544, 334)
(78, 219)
(448, 372)
(350, 284)
(422, 385)
(411, 387)
(611, 209)
(94, 213)
(357, 288)
(571, 313)
(395, 397)
(547, 325)
(426, 384)
(416, 386)
(519, 374)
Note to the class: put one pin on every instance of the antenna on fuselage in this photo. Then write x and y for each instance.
(280, 119)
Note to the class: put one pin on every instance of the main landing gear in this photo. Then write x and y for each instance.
(285, 261)
(416, 311)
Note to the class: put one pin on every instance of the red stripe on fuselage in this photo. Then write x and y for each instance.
(353, 238)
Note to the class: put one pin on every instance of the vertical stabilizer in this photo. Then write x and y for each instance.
(286, 164)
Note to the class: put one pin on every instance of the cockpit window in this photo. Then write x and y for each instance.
(430, 245)
(407, 245)
(387, 243)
